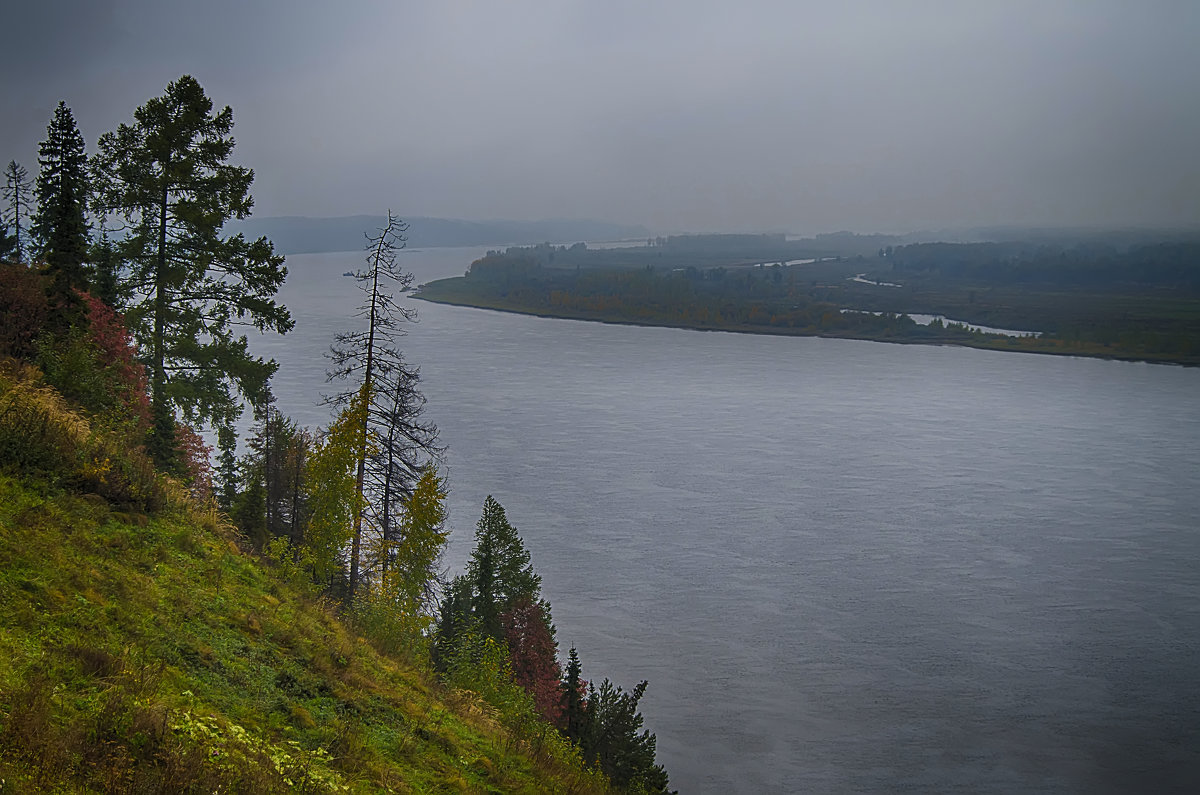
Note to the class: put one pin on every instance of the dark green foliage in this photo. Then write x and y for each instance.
(273, 499)
(1173, 264)
(248, 509)
(668, 253)
(161, 441)
(614, 739)
(192, 289)
(499, 598)
(454, 620)
(60, 227)
(105, 279)
(95, 366)
(606, 725)
(495, 609)
(71, 364)
(227, 472)
(499, 570)
(574, 701)
(286, 448)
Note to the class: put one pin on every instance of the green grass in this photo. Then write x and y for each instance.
(149, 653)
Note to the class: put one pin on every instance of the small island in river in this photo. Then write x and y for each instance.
(1110, 299)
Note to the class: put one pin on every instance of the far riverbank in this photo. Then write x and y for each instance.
(953, 334)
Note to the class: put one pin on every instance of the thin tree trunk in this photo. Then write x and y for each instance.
(160, 295)
(360, 476)
(296, 495)
(163, 430)
(267, 468)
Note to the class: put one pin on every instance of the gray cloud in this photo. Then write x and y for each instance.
(683, 116)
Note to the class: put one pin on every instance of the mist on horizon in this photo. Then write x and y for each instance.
(680, 117)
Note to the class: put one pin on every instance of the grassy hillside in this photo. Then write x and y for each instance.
(142, 650)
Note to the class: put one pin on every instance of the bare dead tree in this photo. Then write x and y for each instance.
(16, 192)
(394, 442)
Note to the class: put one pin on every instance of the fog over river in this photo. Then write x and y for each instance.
(842, 565)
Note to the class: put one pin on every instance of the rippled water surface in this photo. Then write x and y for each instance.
(843, 566)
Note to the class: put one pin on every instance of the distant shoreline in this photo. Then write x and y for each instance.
(1009, 344)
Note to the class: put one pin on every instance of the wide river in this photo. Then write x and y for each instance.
(843, 566)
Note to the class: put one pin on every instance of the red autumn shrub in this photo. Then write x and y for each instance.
(197, 460)
(23, 309)
(534, 655)
(117, 353)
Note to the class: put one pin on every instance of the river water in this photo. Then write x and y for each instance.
(843, 566)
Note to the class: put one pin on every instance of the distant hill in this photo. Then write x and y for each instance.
(301, 235)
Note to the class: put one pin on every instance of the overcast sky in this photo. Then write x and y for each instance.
(684, 116)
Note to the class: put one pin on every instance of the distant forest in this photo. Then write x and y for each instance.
(300, 235)
(1102, 297)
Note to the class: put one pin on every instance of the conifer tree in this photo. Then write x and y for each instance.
(615, 741)
(407, 444)
(499, 576)
(574, 705)
(60, 226)
(193, 290)
(454, 620)
(394, 444)
(227, 473)
(286, 448)
(16, 193)
(105, 283)
(499, 570)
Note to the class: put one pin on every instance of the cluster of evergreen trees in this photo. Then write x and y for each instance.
(151, 316)
(164, 189)
(496, 605)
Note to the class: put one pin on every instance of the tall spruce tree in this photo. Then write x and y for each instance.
(16, 193)
(499, 577)
(60, 228)
(192, 289)
(574, 702)
(499, 570)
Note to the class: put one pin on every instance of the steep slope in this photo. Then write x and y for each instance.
(147, 652)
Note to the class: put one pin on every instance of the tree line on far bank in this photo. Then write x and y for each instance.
(1139, 301)
(118, 282)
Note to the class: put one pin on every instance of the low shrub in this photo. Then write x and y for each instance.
(41, 434)
(23, 309)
